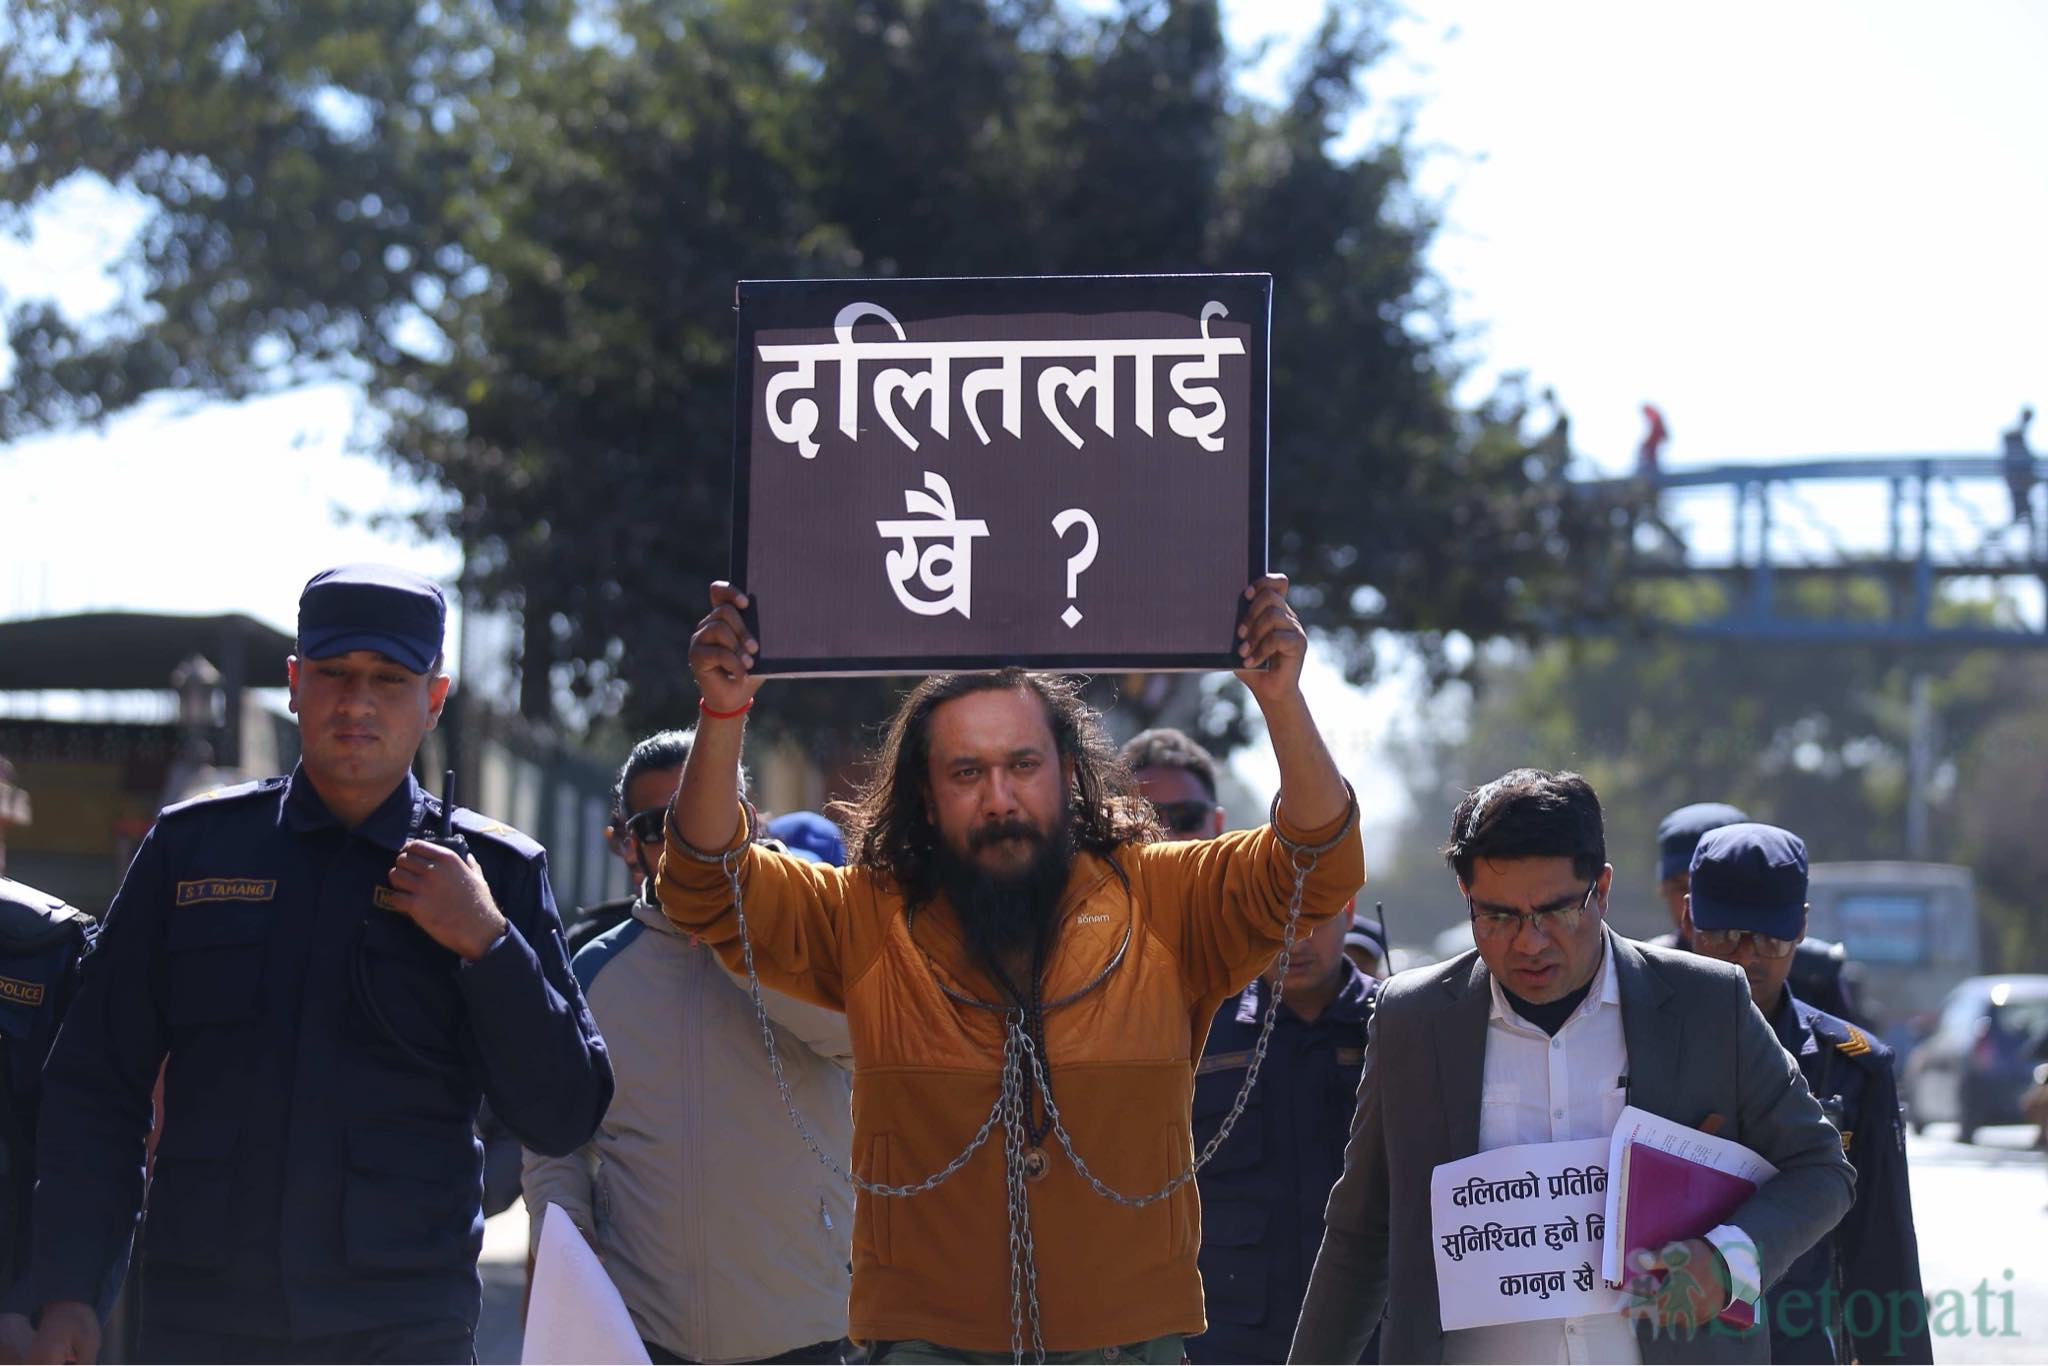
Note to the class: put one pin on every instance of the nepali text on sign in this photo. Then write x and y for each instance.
(1519, 1233)
(1059, 473)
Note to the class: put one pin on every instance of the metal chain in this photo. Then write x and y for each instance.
(730, 863)
(1019, 1052)
(1244, 1092)
(1023, 1251)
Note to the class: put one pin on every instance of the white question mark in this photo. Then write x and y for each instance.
(1077, 561)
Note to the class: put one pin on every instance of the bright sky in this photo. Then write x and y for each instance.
(1801, 230)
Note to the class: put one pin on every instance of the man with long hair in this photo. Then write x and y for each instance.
(1020, 963)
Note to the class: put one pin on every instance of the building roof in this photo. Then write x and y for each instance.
(122, 651)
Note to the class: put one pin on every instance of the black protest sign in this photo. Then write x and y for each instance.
(1062, 473)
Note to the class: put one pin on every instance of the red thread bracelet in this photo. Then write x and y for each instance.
(725, 715)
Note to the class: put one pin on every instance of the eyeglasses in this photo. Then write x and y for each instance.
(1552, 923)
(1728, 941)
(647, 827)
(1184, 818)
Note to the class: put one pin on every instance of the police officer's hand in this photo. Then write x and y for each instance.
(722, 652)
(17, 1336)
(1681, 1285)
(1271, 635)
(70, 1332)
(446, 895)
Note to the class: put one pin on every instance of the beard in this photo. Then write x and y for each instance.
(1007, 916)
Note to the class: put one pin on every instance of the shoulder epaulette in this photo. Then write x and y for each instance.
(32, 920)
(239, 792)
(473, 823)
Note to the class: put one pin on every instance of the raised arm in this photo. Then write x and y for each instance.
(1274, 644)
(1223, 903)
(721, 661)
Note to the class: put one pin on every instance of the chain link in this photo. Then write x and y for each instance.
(1237, 1106)
(1020, 1054)
(981, 1136)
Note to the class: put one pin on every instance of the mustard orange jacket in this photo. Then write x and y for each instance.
(1196, 922)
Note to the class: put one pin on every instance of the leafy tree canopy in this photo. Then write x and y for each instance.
(518, 224)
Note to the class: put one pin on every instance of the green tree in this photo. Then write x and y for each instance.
(1814, 738)
(518, 224)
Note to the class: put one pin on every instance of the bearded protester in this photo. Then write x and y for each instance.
(1019, 962)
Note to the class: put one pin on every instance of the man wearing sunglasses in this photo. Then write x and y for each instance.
(726, 1238)
(1748, 907)
(1263, 1193)
(1820, 972)
(1541, 1034)
(640, 796)
(1178, 777)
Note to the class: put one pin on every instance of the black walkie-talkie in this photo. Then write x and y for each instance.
(446, 835)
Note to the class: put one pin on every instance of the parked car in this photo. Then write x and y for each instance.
(1980, 1059)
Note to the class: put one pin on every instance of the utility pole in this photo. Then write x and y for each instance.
(1919, 767)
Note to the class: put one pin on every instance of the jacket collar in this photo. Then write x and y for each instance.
(1792, 1021)
(649, 913)
(1653, 1030)
(1094, 916)
(1654, 1034)
(389, 826)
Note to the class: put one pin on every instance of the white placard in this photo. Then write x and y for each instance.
(1518, 1234)
(575, 1313)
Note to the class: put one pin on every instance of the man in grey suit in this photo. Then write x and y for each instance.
(1542, 1034)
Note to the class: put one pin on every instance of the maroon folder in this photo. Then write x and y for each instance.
(1666, 1198)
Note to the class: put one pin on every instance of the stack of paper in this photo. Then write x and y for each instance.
(1668, 1182)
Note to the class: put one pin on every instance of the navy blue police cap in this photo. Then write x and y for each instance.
(1679, 832)
(1367, 934)
(1750, 877)
(393, 611)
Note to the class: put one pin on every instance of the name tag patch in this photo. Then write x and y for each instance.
(206, 889)
(21, 993)
(384, 899)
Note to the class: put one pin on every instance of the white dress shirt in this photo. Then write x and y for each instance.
(1540, 1088)
(1544, 1089)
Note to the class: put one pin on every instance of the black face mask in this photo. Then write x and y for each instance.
(1004, 915)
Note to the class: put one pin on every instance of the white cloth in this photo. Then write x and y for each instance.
(1543, 1089)
(575, 1313)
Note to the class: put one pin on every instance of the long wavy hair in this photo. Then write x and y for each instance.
(887, 825)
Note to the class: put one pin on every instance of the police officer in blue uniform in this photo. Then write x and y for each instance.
(42, 942)
(331, 985)
(1856, 1295)
(1264, 1192)
(1820, 969)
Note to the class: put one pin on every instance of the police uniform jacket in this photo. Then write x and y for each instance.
(41, 943)
(1263, 1192)
(1875, 1246)
(317, 1171)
